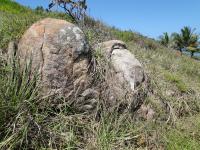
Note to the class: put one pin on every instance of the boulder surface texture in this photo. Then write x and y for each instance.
(58, 50)
(128, 77)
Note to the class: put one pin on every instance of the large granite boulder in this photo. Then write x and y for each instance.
(58, 50)
(128, 81)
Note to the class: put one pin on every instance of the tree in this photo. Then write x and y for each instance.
(187, 39)
(192, 50)
(74, 8)
(177, 39)
(39, 9)
(165, 39)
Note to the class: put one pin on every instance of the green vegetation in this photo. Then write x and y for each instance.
(187, 39)
(186, 135)
(29, 121)
(165, 39)
(12, 7)
(15, 19)
(177, 81)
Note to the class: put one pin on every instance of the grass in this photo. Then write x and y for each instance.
(185, 135)
(13, 7)
(179, 92)
(17, 99)
(15, 19)
(182, 87)
(29, 121)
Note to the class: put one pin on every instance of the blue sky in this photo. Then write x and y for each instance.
(149, 17)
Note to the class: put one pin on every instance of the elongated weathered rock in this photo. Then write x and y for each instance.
(127, 74)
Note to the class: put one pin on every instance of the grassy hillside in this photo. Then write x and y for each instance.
(28, 121)
(15, 19)
(13, 7)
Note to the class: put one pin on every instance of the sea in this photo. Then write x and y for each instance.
(195, 54)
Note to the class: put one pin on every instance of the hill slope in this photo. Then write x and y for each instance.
(175, 97)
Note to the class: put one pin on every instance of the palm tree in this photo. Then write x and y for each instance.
(177, 39)
(165, 39)
(192, 50)
(190, 39)
(187, 39)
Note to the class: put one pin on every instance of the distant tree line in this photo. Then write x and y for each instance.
(187, 40)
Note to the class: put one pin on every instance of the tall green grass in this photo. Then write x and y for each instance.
(30, 121)
(18, 94)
